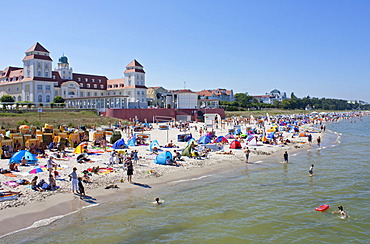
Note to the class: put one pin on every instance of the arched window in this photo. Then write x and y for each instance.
(71, 93)
(48, 98)
(39, 98)
(19, 98)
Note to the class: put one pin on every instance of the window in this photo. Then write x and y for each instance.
(38, 73)
(114, 93)
(121, 85)
(88, 85)
(56, 93)
(39, 87)
(39, 99)
(81, 84)
(53, 77)
(19, 98)
(64, 72)
(95, 86)
(99, 81)
(47, 88)
(79, 79)
(109, 86)
(95, 94)
(47, 98)
(81, 94)
(138, 93)
(93, 80)
(142, 93)
(129, 93)
(88, 94)
(102, 94)
(102, 86)
(46, 73)
(86, 79)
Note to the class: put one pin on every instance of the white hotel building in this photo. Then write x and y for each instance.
(36, 82)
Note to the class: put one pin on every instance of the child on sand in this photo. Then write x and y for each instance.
(81, 188)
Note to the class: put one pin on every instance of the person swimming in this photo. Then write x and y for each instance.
(341, 212)
(157, 201)
(311, 170)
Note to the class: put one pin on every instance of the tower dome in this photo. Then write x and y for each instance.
(63, 60)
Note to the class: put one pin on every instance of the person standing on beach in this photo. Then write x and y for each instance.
(311, 170)
(50, 164)
(247, 152)
(309, 138)
(130, 170)
(319, 141)
(81, 188)
(286, 157)
(73, 177)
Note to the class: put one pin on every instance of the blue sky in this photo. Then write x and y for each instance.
(317, 48)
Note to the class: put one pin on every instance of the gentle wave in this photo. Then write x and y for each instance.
(191, 179)
(47, 221)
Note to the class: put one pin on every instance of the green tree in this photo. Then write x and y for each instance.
(58, 99)
(7, 99)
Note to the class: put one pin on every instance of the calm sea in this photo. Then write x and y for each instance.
(268, 202)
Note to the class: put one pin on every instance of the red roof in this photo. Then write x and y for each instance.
(37, 47)
(36, 56)
(134, 63)
(184, 91)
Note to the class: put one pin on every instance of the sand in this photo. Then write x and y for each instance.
(33, 206)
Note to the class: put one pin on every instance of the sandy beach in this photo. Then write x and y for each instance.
(33, 206)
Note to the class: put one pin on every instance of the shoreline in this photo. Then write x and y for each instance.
(60, 205)
(42, 208)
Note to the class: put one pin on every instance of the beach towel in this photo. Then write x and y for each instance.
(11, 183)
(10, 175)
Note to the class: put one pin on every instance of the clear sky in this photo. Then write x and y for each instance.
(319, 48)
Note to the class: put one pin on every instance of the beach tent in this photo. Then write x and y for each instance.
(204, 140)
(235, 145)
(161, 158)
(79, 148)
(154, 144)
(132, 142)
(229, 136)
(188, 149)
(221, 139)
(119, 144)
(17, 157)
(271, 135)
(252, 141)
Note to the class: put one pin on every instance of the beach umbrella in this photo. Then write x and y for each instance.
(38, 169)
(17, 157)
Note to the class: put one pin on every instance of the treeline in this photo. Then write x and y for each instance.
(243, 101)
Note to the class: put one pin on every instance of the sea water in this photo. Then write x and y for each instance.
(268, 202)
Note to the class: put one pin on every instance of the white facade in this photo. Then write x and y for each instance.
(187, 100)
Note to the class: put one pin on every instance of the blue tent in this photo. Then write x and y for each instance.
(132, 142)
(161, 158)
(204, 140)
(271, 135)
(17, 157)
(120, 144)
(154, 144)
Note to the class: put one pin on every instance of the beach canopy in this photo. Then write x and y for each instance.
(161, 158)
(204, 140)
(120, 144)
(271, 135)
(154, 144)
(188, 149)
(132, 142)
(220, 139)
(252, 141)
(235, 145)
(229, 136)
(80, 148)
(17, 157)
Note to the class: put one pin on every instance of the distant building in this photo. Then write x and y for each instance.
(37, 83)
(208, 103)
(269, 98)
(185, 99)
(158, 97)
(219, 94)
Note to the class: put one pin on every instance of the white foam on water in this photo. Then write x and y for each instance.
(44, 222)
(191, 179)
